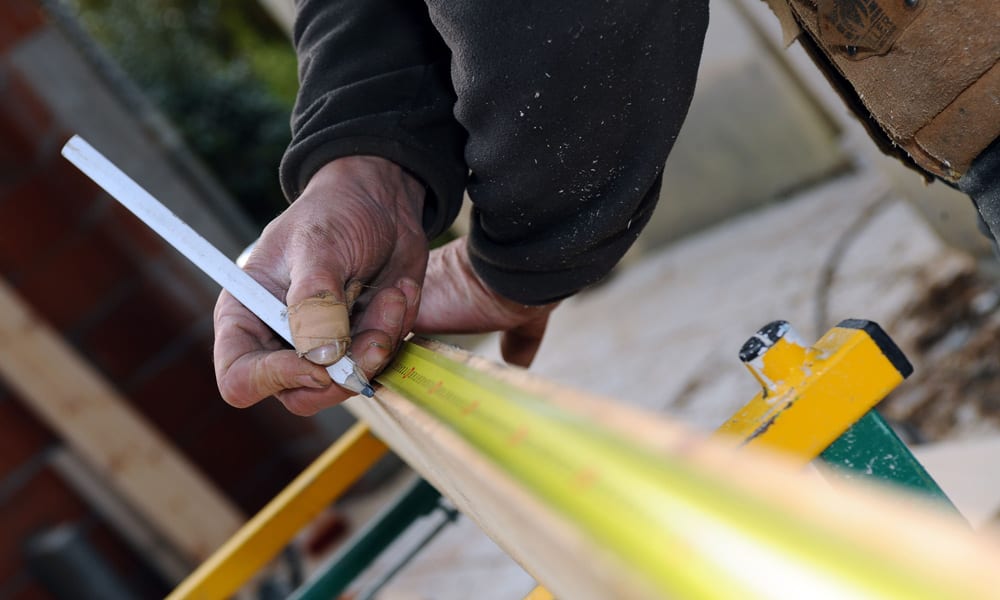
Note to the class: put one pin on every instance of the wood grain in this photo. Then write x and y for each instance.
(560, 556)
(112, 437)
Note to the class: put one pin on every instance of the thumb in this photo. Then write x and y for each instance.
(318, 317)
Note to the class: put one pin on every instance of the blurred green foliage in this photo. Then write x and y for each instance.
(222, 71)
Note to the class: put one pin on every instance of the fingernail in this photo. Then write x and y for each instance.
(310, 382)
(394, 311)
(408, 284)
(374, 357)
(328, 354)
(320, 320)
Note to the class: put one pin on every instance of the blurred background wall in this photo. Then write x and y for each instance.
(137, 313)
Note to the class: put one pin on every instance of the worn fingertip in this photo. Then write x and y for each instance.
(297, 407)
(374, 357)
(327, 354)
(320, 328)
(408, 286)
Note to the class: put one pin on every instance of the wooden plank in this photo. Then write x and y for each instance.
(870, 521)
(119, 444)
(542, 541)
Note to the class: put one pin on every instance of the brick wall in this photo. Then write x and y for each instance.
(132, 307)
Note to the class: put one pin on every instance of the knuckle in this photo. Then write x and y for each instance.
(268, 375)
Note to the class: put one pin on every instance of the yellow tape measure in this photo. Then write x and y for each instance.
(686, 532)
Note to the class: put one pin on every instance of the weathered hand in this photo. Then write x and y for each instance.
(353, 237)
(455, 300)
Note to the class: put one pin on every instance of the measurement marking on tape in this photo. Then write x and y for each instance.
(519, 435)
(651, 510)
(586, 478)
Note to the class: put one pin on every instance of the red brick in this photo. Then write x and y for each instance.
(230, 445)
(27, 128)
(31, 590)
(181, 394)
(135, 235)
(42, 212)
(75, 277)
(188, 278)
(69, 183)
(145, 245)
(282, 426)
(138, 328)
(21, 435)
(44, 502)
(232, 451)
(18, 18)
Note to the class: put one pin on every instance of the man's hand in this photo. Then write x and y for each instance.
(354, 238)
(455, 300)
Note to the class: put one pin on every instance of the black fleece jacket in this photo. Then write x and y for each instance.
(556, 117)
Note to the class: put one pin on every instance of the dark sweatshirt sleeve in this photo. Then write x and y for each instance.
(557, 117)
(571, 110)
(374, 79)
